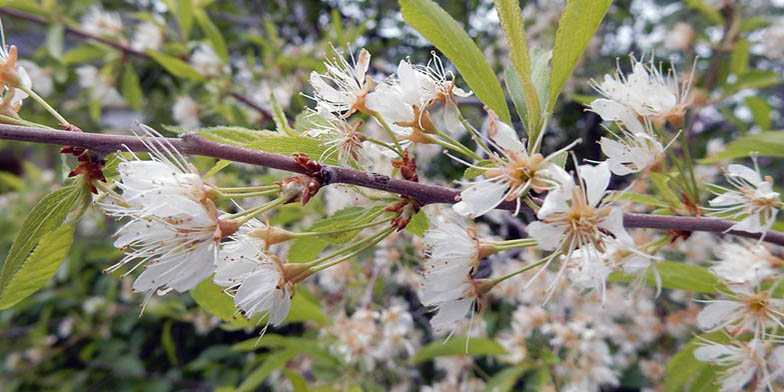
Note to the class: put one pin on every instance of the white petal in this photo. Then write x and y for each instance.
(744, 172)
(547, 236)
(716, 314)
(450, 313)
(614, 224)
(480, 199)
(596, 179)
(506, 138)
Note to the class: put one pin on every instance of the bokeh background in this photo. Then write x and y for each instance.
(362, 327)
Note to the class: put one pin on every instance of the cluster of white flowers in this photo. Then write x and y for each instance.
(752, 200)
(100, 22)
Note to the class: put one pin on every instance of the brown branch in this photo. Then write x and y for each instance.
(193, 144)
(124, 48)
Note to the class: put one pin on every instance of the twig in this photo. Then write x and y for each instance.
(124, 48)
(193, 144)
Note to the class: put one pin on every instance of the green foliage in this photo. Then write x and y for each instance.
(578, 23)
(456, 345)
(214, 301)
(130, 88)
(305, 249)
(175, 66)
(685, 372)
(45, 218)
(766, 144)
(512, 22)
(274, 361)
(445, 33)
(39, 267)
(505, 380)
(418, 224)
(213, 34)
(677, 276)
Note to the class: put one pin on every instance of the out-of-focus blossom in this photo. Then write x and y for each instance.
(186, 112)
(98, 21)
(752, 200)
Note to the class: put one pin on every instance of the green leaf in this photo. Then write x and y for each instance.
(39, 267)
(707, 10)
(54, 40)
(168, 343)
(760, 110)
(298, 383)
(739, 60)
(677, 276)
(288, 145)
(237, 136)
(683, 367)
(214, 301)
(662, 183)
(220, 165)
(273, 362)
(504, 380)
(271, 341)
(472, 172)
(445, 33)
(578, 23)
(213, 34)
(185, 17)
(753, 79)
(457, 346)
(131, 89)
(305, 249)
(45, 217)
(303, 308)
(639, 198)
(175, 66)
(512, 21)
(418, 224)
(514, 86)
(82, 54)
(539, 380)
(281, 122)
(767, 144)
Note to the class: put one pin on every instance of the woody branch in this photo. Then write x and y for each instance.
(193, 144)
(125, 49)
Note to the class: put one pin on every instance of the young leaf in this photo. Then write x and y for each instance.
(213, 34)
(82, 54)
(175, 66)
(766, 144)
(706, 9)
(214, 301)
(237, 136)
(273, 362)
(45, 217)
(39, 267)
(456, 345)
(505, 380)
(281, 122)
(271, 340)
(760, 110)
(514, 86)
(130, 87)
(578, 23)
(739, 60)
(185, 17)
(445, 33)
(418, 224)
(512, 21)
(677, 276)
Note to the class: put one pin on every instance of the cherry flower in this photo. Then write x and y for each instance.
(404, 101)
(13, 78)
(343, 88)
(339, 137)
(98, 21)
(512, 172)
(745, 261)
(748, 309)
(578, 217)
(743, 361)
(753, 200)
(647, 91)
(186, 112)
(174, 229)
(451, 300)
(452, 252)
(206, 61)
(631, 152)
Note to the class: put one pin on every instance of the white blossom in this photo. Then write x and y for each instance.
(578, 216)
(148, 35)
(450, 301)
(14, 77)
(748, 309)
(340, 138)
(174, 229)
(186, 112)
(40, 78)
(98, 21)
(752, 200)
(512, 173)
(742, 360)
(631, 152)
(452, 253)
(343, 88)
(207, 62)
(100, 85)
(680, 37)
(647, 91)
(745, 261)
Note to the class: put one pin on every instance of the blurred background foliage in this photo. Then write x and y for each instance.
(84, 330)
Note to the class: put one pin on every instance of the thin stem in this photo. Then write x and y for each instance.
(389, 132)
(250, 194)
(459, 147)
(370, 242)
(520, 271)
(474, 134)
(249, 214)
(339, 231)
(45, 104)
(248, 188)
(382, 144)
(19, 121)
